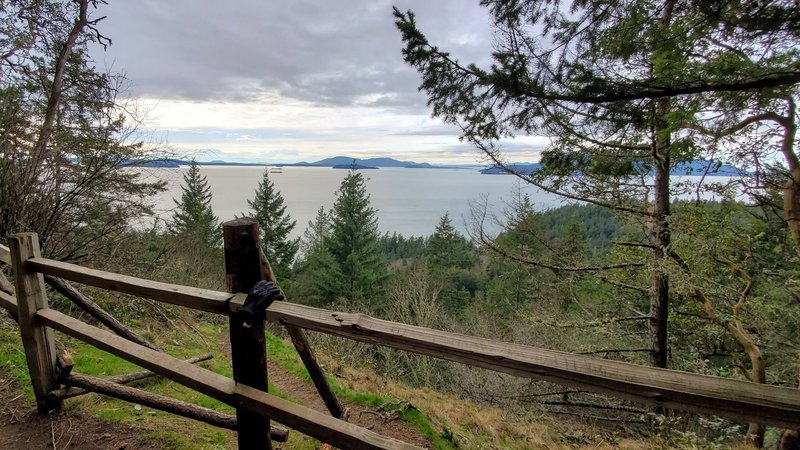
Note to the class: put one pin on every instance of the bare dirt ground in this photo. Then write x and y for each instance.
(21, 427)
(305, 393)
(380, 422)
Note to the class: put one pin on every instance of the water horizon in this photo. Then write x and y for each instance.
(409, 202)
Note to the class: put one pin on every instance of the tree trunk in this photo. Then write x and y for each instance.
(755, 431)
(660, 230)
(661, 238)
(791, 191)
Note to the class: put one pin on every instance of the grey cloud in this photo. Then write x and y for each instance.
(331, 53)
(510, 147)
(443, 130)
(513, 150)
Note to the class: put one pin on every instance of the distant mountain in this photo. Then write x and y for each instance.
(353, 166)
(372, 162)
(525, 168)
(386, 162)
(225, 163)
(170, 163)
(383, 162)
(699, 167)
(336, 161)
(714, 169)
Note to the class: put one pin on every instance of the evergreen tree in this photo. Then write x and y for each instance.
(618, 90)
(315, 232)
(353, 243)
(450, 257)
(315, 268)
(621, 88)
(193, 217)
(270, 212)
(513, 284)
(447, 248)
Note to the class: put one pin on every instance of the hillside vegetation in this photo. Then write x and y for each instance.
(442, 281)
(624, 92)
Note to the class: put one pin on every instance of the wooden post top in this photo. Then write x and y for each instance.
(240, 222)
(242, 243)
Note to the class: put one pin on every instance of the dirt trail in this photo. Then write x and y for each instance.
(21, 427)
(304, 393)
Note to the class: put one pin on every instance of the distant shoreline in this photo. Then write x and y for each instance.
(699, 167)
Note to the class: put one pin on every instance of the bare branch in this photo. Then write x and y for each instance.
(501, 251)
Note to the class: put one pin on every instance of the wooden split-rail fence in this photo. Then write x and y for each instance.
(247, 391)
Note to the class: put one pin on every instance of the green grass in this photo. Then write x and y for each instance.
(286, 356)
(12, 357)
(171, 430)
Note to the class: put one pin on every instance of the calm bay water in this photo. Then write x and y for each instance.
(409, 201)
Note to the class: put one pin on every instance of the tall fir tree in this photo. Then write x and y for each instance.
(450, 256)
(447, 248)
(269, 210)
(316, 270)
(623, 89)
(619, 91)
(193, 218)
(353, 243)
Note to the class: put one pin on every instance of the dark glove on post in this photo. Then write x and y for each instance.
(258, 300)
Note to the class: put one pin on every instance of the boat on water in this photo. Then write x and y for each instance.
(276, 170)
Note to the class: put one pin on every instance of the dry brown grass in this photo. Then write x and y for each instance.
(477, 426)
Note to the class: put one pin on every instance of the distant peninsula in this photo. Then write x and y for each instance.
(697, 168)
(336, 162)
(353, 166)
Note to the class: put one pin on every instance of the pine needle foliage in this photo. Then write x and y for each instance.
(354, 242)
(268, 208)
(193, 218)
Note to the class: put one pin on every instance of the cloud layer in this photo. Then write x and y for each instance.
(289, 80)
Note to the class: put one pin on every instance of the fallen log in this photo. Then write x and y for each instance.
(163, 403)
(69, 392)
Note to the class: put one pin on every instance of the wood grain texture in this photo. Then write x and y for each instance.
(69, 392)
(305, 420)
(243, 269)
(161, 402)
(736, 399)
(5, 254)
(672, 389)
(86, 304)
(331, 430)
(40, 351)
(194, 377)
(8, 303)
(190, 297)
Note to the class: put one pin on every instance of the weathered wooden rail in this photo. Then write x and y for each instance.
(741, 400)
(246, 392)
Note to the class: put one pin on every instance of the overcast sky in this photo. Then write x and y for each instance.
(287, 81)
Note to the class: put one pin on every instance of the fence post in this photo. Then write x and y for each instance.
(243, 269)
(37, 339)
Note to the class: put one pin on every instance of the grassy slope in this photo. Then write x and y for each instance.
(447, 421)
